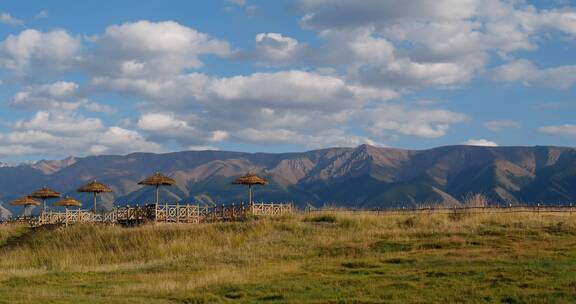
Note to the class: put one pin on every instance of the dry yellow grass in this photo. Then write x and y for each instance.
(320, 257)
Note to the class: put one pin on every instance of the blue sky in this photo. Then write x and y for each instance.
(88, 77)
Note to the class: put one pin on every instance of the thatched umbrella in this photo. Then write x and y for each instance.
(67, 202)
(157, 180)
(45, 193)
(250, 180)
(25, 201)
(94, 187)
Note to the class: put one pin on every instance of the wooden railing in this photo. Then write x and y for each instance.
(74, 216)
(179, 213)
(451, 210)
(271, 209)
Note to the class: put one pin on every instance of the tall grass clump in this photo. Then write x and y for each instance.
(471, 202)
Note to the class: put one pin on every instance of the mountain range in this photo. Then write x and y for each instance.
(361, 177)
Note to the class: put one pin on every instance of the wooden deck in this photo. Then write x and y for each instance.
(164, 213)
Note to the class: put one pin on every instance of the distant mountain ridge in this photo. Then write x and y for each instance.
(365, 176)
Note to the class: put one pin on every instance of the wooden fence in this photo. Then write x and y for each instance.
(454, 210)
(164, 213)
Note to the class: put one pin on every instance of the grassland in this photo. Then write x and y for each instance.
(477, 258)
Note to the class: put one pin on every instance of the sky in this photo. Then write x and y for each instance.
(100, 77)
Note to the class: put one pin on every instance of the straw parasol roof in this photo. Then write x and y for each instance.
(45, 193)
(25, 201)
(94, 187)
(157, 179)
(250, 179)
(68, 202)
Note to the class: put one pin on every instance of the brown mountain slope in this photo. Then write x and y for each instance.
(364, 176)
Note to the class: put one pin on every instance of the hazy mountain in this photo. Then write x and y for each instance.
(365, 176)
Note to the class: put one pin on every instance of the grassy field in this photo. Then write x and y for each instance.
(478, 258)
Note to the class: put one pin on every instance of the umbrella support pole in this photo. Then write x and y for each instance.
(157, 195)
(94, 205)
(250, 194)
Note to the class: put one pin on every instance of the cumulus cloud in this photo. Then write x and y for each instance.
(61, 95)
(564, 130)
(419, 122)
(162, 126)
(32, 50)
(499, 125)
(60, 124)
(428, 43)
(283, 106)
(147, 49)
(525, 72)
(480, 142)
(276, 48)
(287, 89)
(6, 18)
(64, 134)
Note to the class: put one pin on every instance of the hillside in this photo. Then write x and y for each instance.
(437, 258)
(364, 176)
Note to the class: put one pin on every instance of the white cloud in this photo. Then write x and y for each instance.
(166, 126)
(428, 43)
(294, 89)
(147, 49)
(6, 18)
(419, 122)
(281, 107)
(61, 124)
(33, 50)
(499, 125)
(120, 140)
(61, 95)
(524, 71)
(564, 130)
(287, 89)
(68, 133)
(161, 122)
(276, 48)
(285, 106)
(480, 142)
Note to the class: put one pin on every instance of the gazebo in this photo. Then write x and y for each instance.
(45, 193)
(67, 202)
(94, 187)
(250, 180)
(25, 201)
(157, 180)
